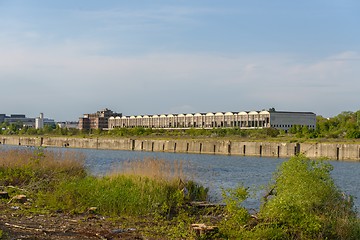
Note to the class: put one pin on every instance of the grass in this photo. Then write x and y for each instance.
(33, 169)
(153, 168)
(151, 190)
(305, 203)
(59, 181)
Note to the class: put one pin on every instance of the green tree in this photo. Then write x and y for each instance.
(272, 132)
(13, 128)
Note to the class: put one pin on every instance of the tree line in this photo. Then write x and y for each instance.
(345, 125)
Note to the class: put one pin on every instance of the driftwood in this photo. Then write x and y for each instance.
(18, 199)
(203, 204)
(29, 228)
(202, 229)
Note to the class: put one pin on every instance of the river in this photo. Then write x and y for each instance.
(218, 171)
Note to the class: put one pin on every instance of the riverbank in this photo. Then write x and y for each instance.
(334, 151)
(45, 195)
(50, 196)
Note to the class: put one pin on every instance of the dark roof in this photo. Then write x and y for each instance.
(291, 112)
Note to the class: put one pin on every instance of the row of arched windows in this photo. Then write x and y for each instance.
(253, 119)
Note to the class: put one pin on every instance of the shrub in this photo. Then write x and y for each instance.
(271, 132)
(308, 205)
(233, 225)
(303, 203)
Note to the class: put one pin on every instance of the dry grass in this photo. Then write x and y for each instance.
(41, 159)
(153, 168)
(24, 166)
(14, 158)
(58, 181)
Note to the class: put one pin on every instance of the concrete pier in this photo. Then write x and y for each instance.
(334, 151)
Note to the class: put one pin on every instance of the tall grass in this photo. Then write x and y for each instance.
(59, 181)
(128, 195)
(153, 168)
(24, 167)
(137, 187)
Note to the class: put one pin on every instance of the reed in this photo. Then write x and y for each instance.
(154, 168)
(137, 187)
(23, 167)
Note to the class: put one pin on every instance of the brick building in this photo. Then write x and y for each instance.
(98, 120)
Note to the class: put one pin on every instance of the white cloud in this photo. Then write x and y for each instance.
(68, 75)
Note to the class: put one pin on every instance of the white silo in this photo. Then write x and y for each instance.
(39, 121)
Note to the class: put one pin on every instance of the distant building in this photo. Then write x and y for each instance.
(39, 121)
(20, 119)
(244, 120)
(98, 120)
(68, 124)
(2, 118)
(26, 121)
(285, 120)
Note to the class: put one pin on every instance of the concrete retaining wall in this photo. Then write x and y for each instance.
(266, 149)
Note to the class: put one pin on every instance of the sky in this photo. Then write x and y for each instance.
(66, 58)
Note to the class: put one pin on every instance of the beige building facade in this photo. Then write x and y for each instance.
(245, 120)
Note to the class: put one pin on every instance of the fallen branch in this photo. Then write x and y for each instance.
(29, 228)
(101, 237)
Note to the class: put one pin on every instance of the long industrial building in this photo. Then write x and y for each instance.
(24, 121)
(245, 120)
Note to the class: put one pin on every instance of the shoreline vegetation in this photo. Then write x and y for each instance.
(151, 199)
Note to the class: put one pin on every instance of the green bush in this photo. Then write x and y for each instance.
(303, 203)
(233, 225)
(307, 204)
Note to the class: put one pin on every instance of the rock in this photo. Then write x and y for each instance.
(4, 195)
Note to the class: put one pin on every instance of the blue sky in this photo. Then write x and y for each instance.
(66, 58)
